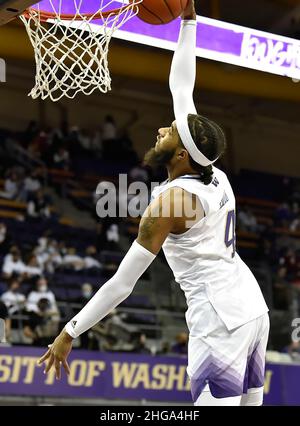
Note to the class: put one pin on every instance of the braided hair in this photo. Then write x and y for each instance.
(210, 140)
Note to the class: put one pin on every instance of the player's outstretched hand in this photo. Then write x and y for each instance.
(57, 354)
(189, 12)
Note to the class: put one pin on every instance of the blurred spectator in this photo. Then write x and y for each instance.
(86, 295)
(32, 182)
(293, 349)
(109, 138)
(112, 238)
(48, 255)
(165, 348)
(61, 159)
(247, 221)
(283, 215)
(85, 140)
(39, 206)
(62, 248)
(140, 345)
(54, 256)
(11, 186)
(41, 291)
(295, 225)
(13, 263)
(42, 324)
(291, 263)
(181, 345)
(72, 260)
(13, 298)
(39, 145)
(32, 267)
(113, 334)
(4, 334)
(109, 129)
(295, 220)
(90, 260)
(97, 144)
(43, 242)
(5, 239)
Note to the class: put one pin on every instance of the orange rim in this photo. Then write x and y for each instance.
(44, 16)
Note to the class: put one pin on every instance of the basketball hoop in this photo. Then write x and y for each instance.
(71, 49)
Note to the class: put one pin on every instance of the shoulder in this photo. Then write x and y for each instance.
(219, 174)
(167, 199)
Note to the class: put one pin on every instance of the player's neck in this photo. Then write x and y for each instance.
(174, 173)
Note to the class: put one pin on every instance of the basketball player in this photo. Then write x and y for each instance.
(227, 315)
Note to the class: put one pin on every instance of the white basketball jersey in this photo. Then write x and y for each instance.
(205, 263)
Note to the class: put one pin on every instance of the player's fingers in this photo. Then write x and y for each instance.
(66, 366)
(49, 364)
(57, 364)
(44, 357)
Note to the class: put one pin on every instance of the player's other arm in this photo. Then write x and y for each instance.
(152, 233)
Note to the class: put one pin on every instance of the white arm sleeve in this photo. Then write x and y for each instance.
(183, 70)
(182, 83)
(114, 291)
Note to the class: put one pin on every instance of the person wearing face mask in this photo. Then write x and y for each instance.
(13, 298)
(13, 263)
(41, 291)
(86, 294)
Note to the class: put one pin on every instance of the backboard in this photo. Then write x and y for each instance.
(9, 9)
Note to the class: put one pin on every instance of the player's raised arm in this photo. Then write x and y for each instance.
(183, 69)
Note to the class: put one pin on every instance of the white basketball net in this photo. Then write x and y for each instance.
(71, 55)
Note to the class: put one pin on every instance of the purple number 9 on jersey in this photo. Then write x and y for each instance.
(230, 237)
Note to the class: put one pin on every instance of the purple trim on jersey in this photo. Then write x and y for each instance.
(224, 381)
(189, 177)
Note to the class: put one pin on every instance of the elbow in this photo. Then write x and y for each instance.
(127, 290)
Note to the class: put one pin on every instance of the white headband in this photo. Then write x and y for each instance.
(188, 142)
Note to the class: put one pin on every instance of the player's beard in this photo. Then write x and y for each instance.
(156, 159)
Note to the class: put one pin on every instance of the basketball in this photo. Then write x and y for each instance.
(157, 12)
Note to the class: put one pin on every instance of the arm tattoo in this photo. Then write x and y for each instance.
(147, 228)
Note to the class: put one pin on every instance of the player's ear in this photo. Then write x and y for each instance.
(182, 154)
